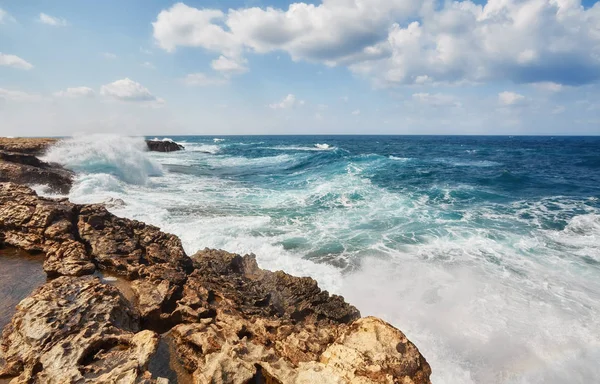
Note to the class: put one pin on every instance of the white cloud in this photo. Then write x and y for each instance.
(436, 100)
(548, 86)
(356, 112)
(5, 16)
(145, 51)
(19, 96)
(202, 80)
(187, 26)
(228, 66)
(76, 92)
(14, 61)
(53, 21)
(128, 90)
(344, 99)
(149, 65)
(526, 41)
(109, 56)
(289, 101)
(510, 98)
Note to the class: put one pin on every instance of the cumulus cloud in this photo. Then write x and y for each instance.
(19, 96)
(436, 100)
(527, 41)
(202, 80)
(356, 112)
(228, 66)
(14, 61)
(397, 42)
(76, 92)
(288, 102)
(53, 21)
(510, 98)
(128, 90)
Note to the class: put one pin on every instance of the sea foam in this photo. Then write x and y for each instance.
(122, 157)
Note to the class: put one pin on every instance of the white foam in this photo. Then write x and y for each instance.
(316, 147)
(483, 303)
(123, 157)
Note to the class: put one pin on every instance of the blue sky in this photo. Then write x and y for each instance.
(273, 67)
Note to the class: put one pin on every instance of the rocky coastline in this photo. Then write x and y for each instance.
(124, 303)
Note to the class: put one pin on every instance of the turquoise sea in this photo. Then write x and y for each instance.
(485, 251)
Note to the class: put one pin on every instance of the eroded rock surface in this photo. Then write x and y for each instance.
(228, 320)
(74, 330)
(29, 145)
(27, 169)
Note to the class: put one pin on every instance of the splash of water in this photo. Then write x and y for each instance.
(122, 157)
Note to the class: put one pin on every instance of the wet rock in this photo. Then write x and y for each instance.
(28, 169)
(163, 146)
(229, 321)
(75, 330)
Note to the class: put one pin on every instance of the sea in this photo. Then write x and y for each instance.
(484, 251)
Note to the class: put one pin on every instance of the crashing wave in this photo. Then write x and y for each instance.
(122, 157)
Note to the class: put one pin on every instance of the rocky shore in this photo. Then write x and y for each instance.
(124, 303)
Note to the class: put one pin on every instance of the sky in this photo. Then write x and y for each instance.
(152, 67)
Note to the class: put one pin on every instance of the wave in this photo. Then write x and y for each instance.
(166, 139)
(316, 147)
(123, 157)
(204, 148)
(218, 140)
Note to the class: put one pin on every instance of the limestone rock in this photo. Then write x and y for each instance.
(29, 145)
(75, 330)
(229, 320)
(28, 169)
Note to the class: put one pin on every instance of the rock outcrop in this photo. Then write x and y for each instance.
(228, 320)
(164, 146)
(27, 169)
(31, 146)
(19, 164)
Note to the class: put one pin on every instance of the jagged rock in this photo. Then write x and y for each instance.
(32, 146)
(230, 321)
(75, 330)
(164, 146)
(28, 169)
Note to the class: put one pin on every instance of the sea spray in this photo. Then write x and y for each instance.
(487, 259)
(122, 157)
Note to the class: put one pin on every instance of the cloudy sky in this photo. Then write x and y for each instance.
(274, 67)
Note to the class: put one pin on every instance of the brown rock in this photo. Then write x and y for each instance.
(30, 145)
(28, 169)
(75, 330)
(229, 320)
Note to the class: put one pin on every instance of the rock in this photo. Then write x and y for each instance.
(163, 146)
(32, 146)
(28, 169)
(75, 330)
(228, 320)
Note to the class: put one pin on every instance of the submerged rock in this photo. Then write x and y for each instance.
(163, 146)
(228, 320)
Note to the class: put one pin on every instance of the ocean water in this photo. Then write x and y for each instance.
(485, 251)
